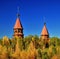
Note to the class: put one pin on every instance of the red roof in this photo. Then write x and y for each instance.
(44, 30)
(18, 24)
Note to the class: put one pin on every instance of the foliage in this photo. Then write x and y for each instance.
(30, 47)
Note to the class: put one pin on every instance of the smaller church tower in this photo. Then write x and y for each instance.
(45, 34)
(18, 29)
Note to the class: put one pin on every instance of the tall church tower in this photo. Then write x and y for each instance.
(18, 29)
(45, 34)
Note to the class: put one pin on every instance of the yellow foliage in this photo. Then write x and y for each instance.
(5, 40)
(31, 51)
(1, 48)
(55, 57)
(17, 49)
(4, 54)
(50, 49)
(24, 54)
(58, 49)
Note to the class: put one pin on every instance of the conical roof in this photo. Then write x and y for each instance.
(18, 23)
(44, 30)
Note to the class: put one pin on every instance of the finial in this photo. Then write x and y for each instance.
(18, 15)
(44, 23)
(44, 19)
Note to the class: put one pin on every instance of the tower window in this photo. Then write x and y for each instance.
(19, 30)
(15, 31)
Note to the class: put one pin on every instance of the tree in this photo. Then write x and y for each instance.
(55, 41)
(31, 51)
(35, 40)
(5, 41)
(27, 41)
(39, 55)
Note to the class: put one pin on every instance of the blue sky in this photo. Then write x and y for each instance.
(33, 14)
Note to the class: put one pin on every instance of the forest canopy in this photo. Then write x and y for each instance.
(29, 47)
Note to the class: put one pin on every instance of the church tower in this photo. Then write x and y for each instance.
(45, 34)
(18, 29)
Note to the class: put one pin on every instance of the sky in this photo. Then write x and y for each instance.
(33, 14)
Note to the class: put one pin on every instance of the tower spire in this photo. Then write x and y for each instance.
(44, 30)
(18, 29)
